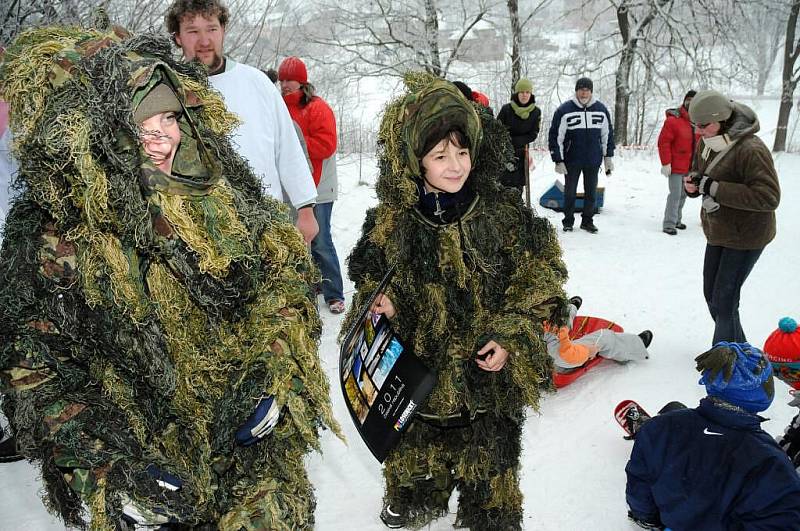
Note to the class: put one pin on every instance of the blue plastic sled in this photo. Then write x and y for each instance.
(553, 198)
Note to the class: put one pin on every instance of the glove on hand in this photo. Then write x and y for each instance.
(709, 205)
(666, 170)
(707, 186)
(718, 360)
(561, 168)
(259, 424)
(608, 162)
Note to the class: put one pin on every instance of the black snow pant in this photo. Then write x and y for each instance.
(724, 272)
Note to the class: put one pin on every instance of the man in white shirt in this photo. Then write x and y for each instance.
(266, 137)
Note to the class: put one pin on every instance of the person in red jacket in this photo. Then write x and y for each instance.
(676, 144)
(318, 124)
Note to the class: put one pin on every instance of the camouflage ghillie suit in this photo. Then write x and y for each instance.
(495, 272)
(143, 315)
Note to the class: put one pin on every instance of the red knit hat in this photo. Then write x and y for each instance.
(783, 350)
(293, 69)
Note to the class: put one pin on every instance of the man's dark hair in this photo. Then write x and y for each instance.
(181, 8)
(272, 74)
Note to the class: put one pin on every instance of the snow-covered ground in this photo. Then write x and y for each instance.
(574, 455)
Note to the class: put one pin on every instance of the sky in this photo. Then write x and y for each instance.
(572, 471)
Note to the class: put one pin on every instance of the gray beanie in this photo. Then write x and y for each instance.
(159, 99)
(710, 106)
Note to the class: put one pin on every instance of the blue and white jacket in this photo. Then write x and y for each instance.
(581, 135)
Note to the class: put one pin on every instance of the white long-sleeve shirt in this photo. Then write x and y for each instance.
(266, 137)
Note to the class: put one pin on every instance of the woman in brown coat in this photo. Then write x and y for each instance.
(734, 172)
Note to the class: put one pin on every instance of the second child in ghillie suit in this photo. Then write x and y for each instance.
(147, 313)
(476, 273)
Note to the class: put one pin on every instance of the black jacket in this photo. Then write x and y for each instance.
(523, 132)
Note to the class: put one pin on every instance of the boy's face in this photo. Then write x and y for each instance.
(446, 167)
(202, 38)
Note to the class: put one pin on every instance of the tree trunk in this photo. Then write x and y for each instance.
(790, 53)
(622, 96)
(516, 39)
(432, 36)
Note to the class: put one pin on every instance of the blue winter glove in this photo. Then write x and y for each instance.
(164, 479)
(136, 514)
(260, 423)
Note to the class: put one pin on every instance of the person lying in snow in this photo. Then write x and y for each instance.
(570, 354)
(713, 467)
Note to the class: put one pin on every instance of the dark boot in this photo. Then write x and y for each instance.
(646, 337)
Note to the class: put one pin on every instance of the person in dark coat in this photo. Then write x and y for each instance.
(581, 138)
(522, 118)
(734, 172)
(713, 467)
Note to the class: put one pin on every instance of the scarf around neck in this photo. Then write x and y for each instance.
(523, 111)
(444, 207)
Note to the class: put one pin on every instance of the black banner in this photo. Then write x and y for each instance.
(383, 381)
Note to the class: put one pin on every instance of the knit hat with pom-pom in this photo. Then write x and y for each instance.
(783, 350)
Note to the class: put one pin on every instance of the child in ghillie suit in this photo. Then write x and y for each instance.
(476, 273)
(158, 336)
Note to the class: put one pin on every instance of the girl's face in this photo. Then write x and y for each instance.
(447, 167)
(708, 130)
(160, 135)
(524, 97)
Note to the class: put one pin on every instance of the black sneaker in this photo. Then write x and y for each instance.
(589, 227)
(670, 231)
(392, 519)
(8, 450)
(647, 337)
(567, 228)
(680, 226)
(576, 301)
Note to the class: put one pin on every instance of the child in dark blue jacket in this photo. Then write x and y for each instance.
(713, 467)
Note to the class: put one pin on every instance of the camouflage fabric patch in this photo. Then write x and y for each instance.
(57, 257)
(59, 413)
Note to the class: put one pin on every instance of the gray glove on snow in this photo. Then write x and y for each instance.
(561, 168)
(666, 170)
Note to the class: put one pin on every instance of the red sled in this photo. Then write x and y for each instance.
(630, 425)
(582, 325)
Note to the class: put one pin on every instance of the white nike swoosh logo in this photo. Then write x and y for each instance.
(706, 432)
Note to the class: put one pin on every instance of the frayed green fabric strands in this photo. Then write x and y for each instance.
(143, 315)
(494, 274)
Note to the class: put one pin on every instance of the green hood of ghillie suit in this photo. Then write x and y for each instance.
(494, 273)
(143, 315)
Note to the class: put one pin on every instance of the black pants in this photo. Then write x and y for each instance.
(589, 192)
(724, 272)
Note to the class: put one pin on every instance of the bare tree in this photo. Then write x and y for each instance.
(791, 75)
(632, 29)
(393, 36)
(517, 28)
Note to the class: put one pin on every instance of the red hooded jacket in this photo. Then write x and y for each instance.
(318, 124)
(677, 140)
